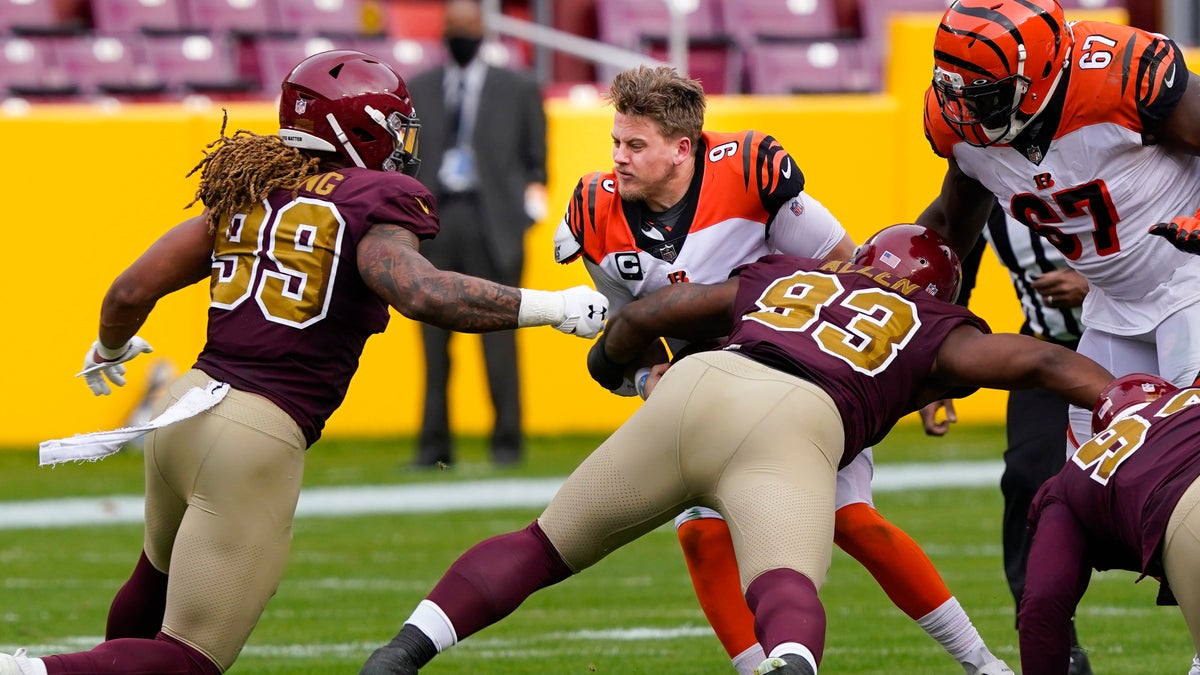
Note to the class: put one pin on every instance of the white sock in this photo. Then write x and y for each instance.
(747, 661)
(795, 648)
(953, 630)
(434, 623)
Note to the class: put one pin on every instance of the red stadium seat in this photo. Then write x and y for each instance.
(817, 66)
(238, 16)
(128, 16)
(26, 14)
(749, 20)
(198, 63)
(321, 17)
(28, 68)
(626, 23)
(107, 64)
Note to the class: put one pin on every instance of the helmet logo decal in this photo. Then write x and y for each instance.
(890, 259)
(301, 106)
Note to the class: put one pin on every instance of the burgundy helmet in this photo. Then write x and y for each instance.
(352, 104)
(1126, 391)
(916, 253)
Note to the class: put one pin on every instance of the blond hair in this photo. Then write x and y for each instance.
(673, 102)
(244, 169)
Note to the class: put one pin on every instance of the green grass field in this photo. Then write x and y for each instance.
(352, 581)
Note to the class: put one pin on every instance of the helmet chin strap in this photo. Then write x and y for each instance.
(345, 141)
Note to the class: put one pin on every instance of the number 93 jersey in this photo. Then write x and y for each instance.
(289, 313)
(746, 199)
(1094, 180)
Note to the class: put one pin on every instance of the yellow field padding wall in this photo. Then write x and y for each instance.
(85, 190)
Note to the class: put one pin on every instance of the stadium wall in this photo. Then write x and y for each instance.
(86, 189)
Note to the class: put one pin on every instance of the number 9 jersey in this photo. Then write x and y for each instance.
(746, 200)
(1089, 177)
(289, 312)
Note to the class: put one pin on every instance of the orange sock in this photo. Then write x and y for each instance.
(708, 550)
(898, 564)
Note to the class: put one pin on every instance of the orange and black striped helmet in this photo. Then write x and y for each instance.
(997, 64)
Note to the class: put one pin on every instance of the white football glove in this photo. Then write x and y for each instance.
(102, 362)
(586, 311)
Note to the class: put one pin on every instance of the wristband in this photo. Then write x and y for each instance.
(541, 308)
(639, 381)
(110, 354)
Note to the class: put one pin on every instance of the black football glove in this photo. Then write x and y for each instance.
(1183, 232)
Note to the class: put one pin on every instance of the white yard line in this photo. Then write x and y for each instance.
(443, 497)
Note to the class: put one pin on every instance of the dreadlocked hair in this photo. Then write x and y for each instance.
(244, 169)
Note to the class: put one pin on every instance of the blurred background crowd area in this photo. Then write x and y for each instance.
(152, 50)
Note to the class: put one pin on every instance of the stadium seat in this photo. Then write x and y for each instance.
(407, 56)
(321, 17)
(1069, 5)
(107, 64)
(749, 20)
(875, 15)
(28, 68)
(626, 23)
(24, 14)
(244, 17)
(128, 16)
(274, 57)
(816, 66)
(715, 62)
(198, 63)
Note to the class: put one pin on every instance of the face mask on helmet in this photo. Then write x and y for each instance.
(917, 254)
(1125, 395)
(351, 104)
(997, 66)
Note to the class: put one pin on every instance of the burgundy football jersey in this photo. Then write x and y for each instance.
(864, 335)
(1108, 508)
(289, 313)
(1123, 484)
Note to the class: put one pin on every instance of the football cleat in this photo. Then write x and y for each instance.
(996, 667)
(1079, 662)
(16, 664)
(788, 664)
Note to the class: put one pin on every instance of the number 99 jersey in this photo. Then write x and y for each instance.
(1092, 180)
(289, 312)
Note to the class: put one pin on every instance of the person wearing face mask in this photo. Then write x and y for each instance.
(483, 152)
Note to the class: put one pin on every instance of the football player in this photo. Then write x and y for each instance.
(822, 359)
(1087, 133)
(306, 240)
(1126, 499)
(682, 204)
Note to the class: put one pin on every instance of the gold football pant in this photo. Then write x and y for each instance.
(221, 493)
(1181, 551)
(720, 430)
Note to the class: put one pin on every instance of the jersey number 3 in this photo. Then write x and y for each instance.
(882, 325)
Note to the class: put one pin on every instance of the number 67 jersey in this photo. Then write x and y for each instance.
(1089, 177)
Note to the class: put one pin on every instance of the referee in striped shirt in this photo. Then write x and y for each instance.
(1051, 297)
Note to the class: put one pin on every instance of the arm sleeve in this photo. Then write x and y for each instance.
(804, 227)
(1055, 579)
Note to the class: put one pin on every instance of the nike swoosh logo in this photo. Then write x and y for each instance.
(1169, 80)
(786, 171)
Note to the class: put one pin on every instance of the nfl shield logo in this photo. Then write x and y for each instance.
(301, 106)
(667, 252)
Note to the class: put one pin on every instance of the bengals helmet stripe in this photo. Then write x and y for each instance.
(997, 65)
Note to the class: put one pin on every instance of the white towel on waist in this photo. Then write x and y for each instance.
(101, 444)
